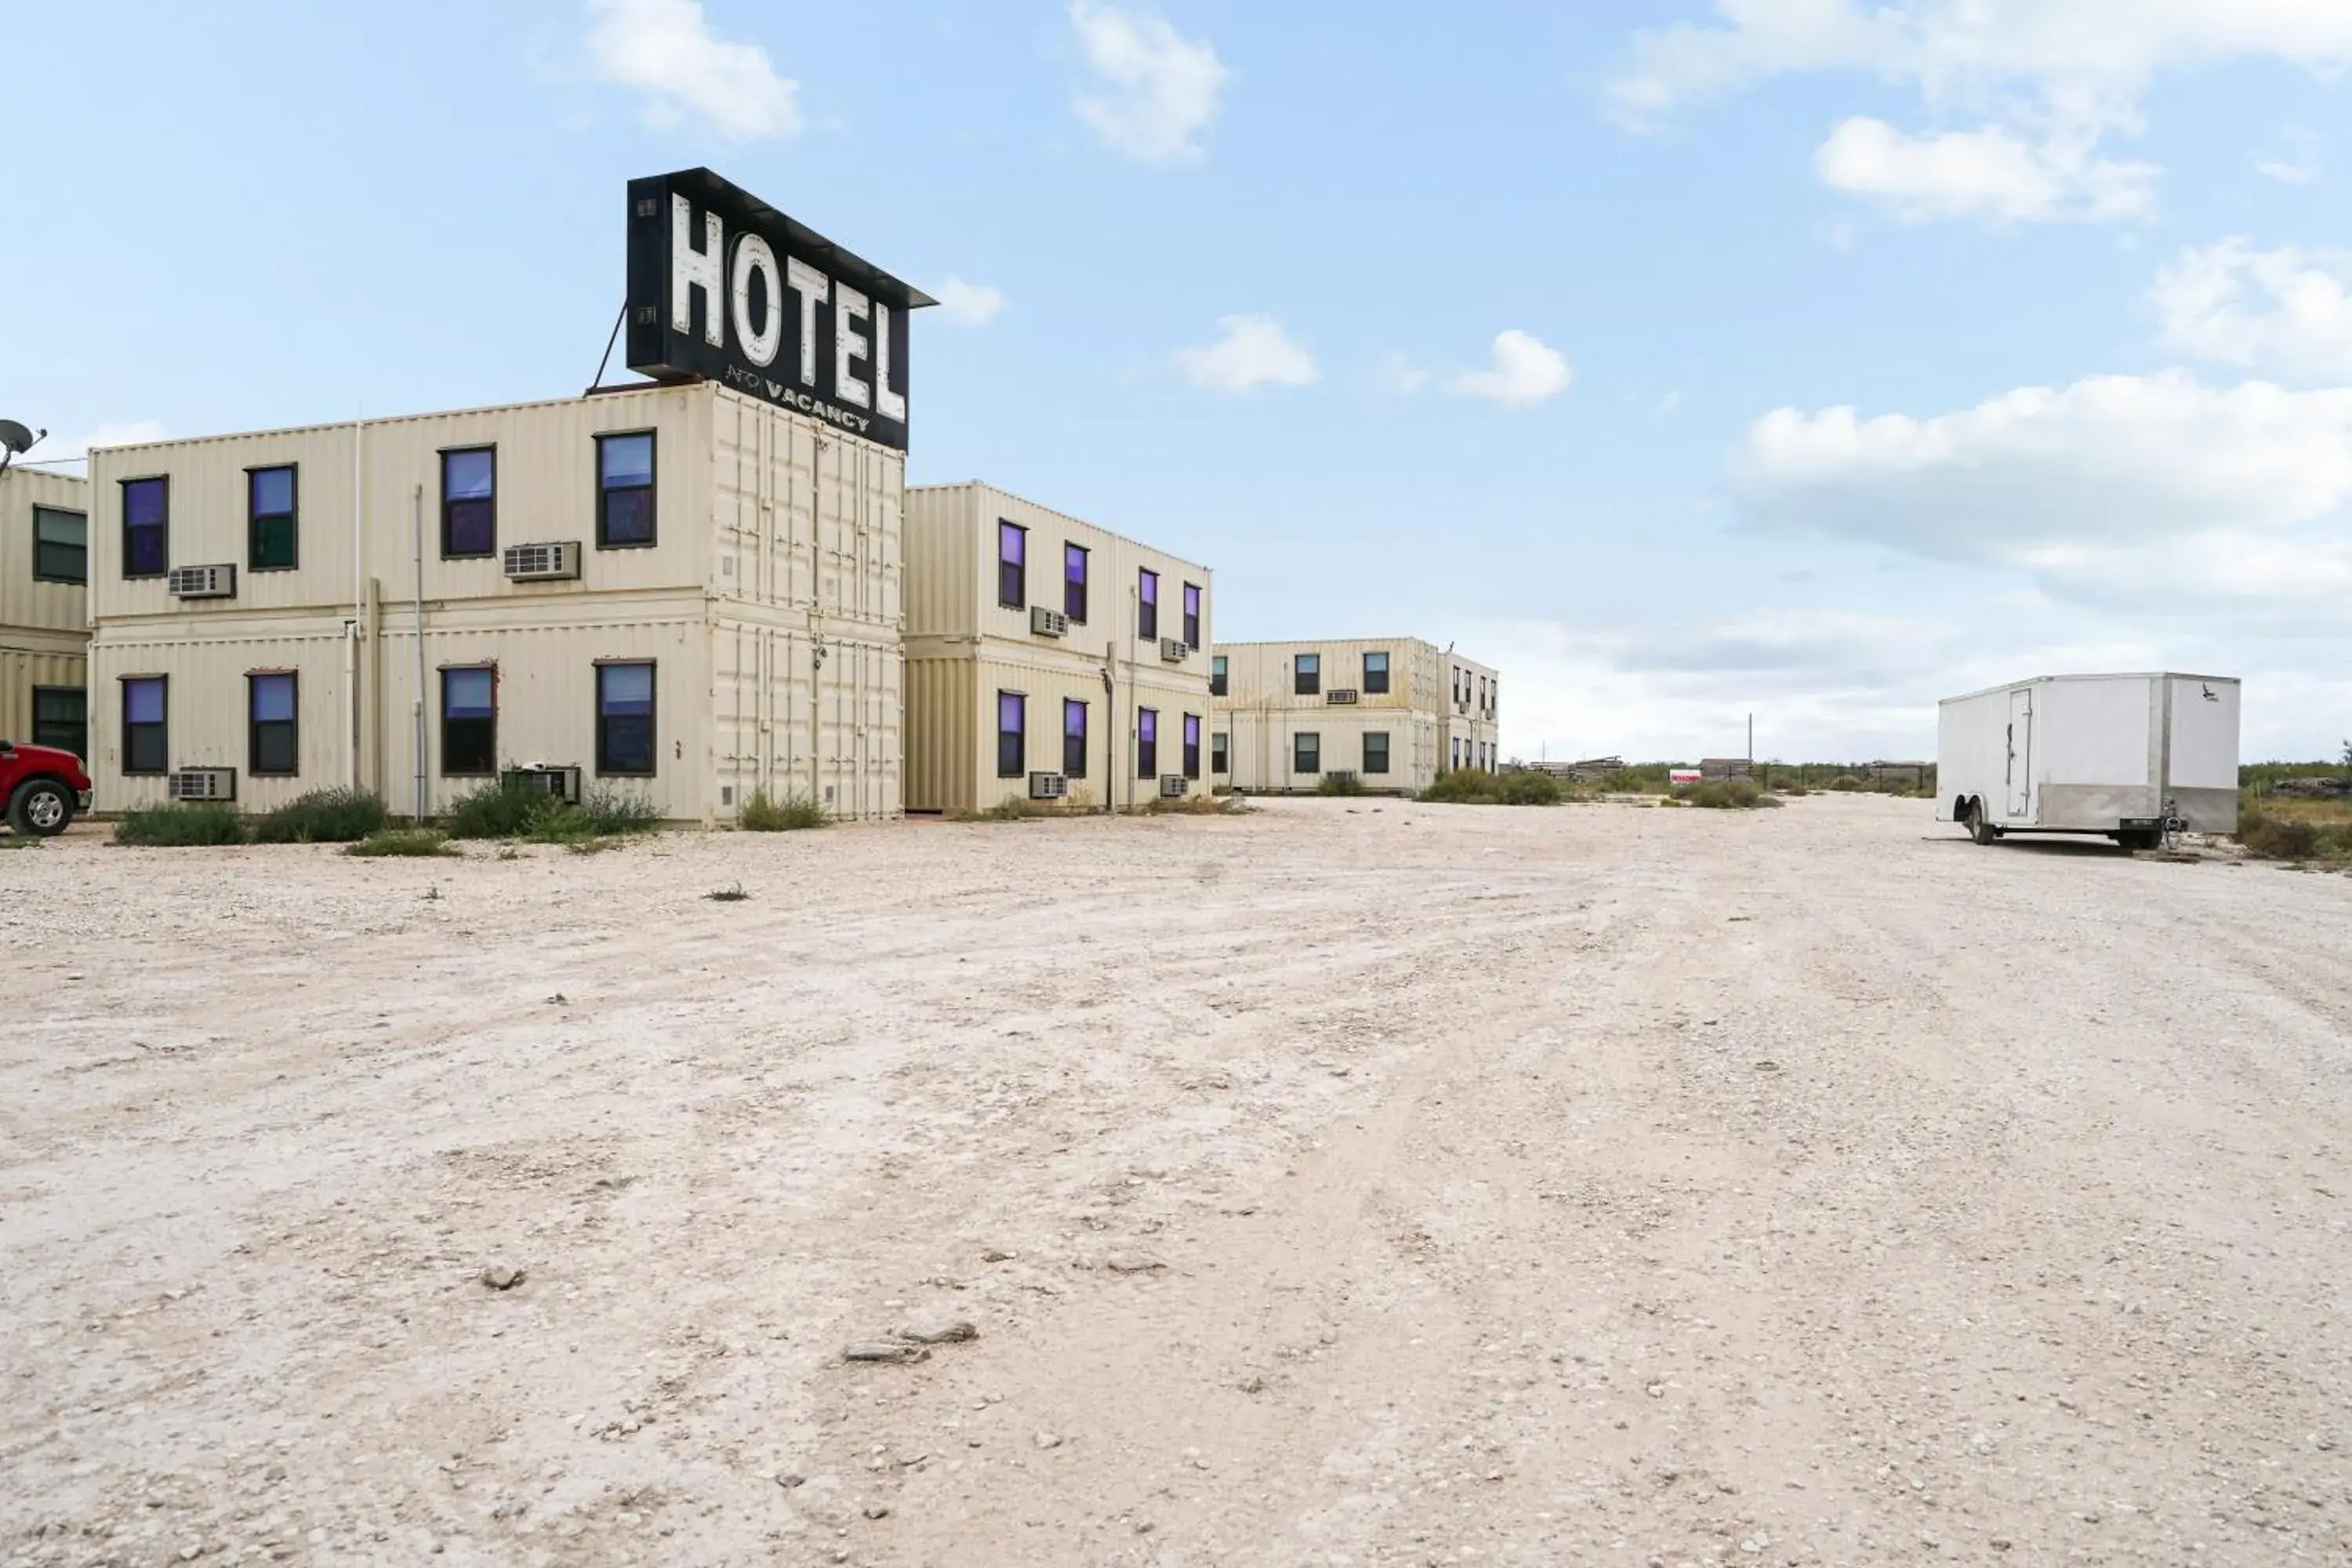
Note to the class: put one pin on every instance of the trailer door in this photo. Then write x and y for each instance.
(2021, 755)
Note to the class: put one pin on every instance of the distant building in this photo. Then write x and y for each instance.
(1048, 659)
(44, 609)
(1393, 711)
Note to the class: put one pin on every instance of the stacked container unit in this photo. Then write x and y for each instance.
(1048, 659)
(1394, 712)
(43, 609)
(716, 611)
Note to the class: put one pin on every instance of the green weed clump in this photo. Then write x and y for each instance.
(763, 813)
(206, 824)
(1475, 786)
(1339, 784)
(511, 810)
(2320, 832)
(403, 843)
(322, 816)
(1729, 795)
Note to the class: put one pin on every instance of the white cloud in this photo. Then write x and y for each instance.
(2297, 165)
(1156, 90)
(2149, 489)
(665, 49)
(968, 304)
(2086, 59)
(2287, 173)
(1989, 175)
(1525, 371)
(1399, 375)
(1255, 351)
(2282, 311)
(2051, 76)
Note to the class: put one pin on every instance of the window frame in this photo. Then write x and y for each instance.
(254, 723)
(1192, 613)
(1019, 600)
(163, 727)
(1297, 756)
(292, 517)
(491, 769)
(604, 769)
(448, 502)
(1381, 689)
(162, 528)
(1189, 738)
(1387, 753)
(1218, 684)
(1221, 752)
(1304, 681)
(652, 487)
(43, 512)
(1075, 589)
(1147, 605)
(1146, 746)
(1086, 720)
(1019, 737)
(34, 718)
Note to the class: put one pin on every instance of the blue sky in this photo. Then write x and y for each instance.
(1683, 359)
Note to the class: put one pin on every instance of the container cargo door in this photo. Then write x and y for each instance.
(2021, 755)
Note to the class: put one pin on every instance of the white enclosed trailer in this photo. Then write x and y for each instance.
(2124, 756)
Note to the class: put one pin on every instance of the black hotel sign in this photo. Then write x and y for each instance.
(723, 285)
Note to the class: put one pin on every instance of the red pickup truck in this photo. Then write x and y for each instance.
(45, 788)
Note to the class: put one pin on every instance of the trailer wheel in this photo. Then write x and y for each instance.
(42, 809)
(1980, 830)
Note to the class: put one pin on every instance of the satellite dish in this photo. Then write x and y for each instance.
(16, 441)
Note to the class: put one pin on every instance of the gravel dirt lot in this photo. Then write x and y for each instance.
(1349, 1182)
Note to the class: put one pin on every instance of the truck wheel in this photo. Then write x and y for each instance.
(41, 809)
(1980, 830)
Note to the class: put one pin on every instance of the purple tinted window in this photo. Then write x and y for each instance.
(146, 527)
(1148, 617)
(1012, 734)
(142, 702)
(1073, 581)
(1148, 726)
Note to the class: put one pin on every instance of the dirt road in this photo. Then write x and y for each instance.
(1350, 1183)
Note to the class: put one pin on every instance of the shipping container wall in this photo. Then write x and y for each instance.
(1262, 674)
(546, 681)
(1113, 773)
(944, 581)
(60, 679)
(1115, 567)
(30, 604)
(545, 485)
(806, 518)
(806, 719)
(207, 713)
(1262, 748)
(943, 717)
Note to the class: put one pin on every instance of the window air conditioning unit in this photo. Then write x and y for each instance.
(204, 784)
(543, 562)
(1341, 697)
(556, 781)
(1048, 623)
(1048, 786)
(1174, 652)
(1171, 786)
(203, 582)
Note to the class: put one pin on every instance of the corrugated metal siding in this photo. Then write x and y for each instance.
(806, 519)
(941, 714)
(28, 604)
(20, 672)
(1260, 747)
(1046, 683)
(206, 715)
(546, 494)
(793, 725)
(944, 581)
